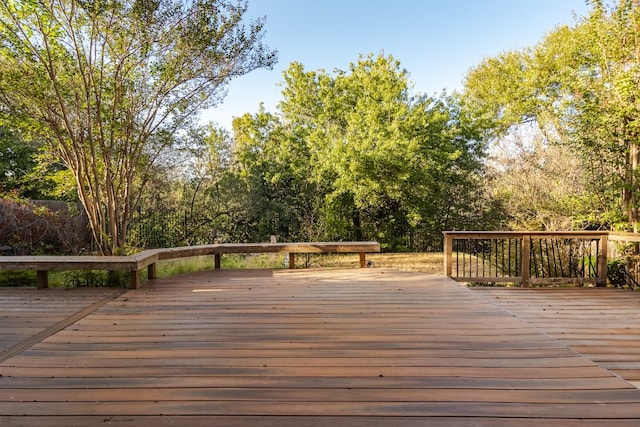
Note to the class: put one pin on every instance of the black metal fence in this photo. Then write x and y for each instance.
(169, 228)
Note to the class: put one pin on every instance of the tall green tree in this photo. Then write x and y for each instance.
(386, 162)
(210, 193)
(272, 163)
(196, 201)
(541, 186)
(111, 85)
(581, 86)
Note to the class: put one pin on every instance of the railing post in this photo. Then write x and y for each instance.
(525, 259)
(602, 261)
(448, 254)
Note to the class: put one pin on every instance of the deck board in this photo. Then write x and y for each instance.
(26, 312)
(601, 324)
(317, 347)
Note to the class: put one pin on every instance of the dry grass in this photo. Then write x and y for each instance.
(430, 262)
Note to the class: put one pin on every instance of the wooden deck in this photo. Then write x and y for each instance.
(318, 347)
(601, 324)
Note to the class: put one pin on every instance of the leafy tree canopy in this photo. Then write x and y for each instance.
(356, 154)
(581, 85)
(111, 85)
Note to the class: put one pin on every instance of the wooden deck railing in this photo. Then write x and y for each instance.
(527, 257)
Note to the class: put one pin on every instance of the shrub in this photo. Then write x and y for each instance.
(31, 229)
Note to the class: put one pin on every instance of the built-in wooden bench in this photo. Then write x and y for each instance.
(135, 263)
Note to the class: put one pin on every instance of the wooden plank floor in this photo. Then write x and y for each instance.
(27, 312)
(308, 347)
(601, 324)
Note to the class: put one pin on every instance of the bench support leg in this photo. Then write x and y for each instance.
(151, 271)
(292, 260)
(363, 259)
(216, 261)
(42, 279)
(134, 279)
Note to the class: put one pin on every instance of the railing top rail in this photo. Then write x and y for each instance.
(624, 237)
(516, 234)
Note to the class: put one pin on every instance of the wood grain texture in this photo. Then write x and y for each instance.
(317, 348)
(601, 324)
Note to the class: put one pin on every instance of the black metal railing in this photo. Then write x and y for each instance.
(526, 257)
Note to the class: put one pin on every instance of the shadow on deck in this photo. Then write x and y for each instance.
(319, 347)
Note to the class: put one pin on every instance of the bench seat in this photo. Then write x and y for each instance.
(136, 262)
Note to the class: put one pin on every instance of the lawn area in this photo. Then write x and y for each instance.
(431, 263)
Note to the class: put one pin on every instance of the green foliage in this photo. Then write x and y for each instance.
(16, 160)
(542, 186)
(111, 86)
(580, 85)
(619, 276)
(17, 278)
(84, 279)
(353, 156)
(272, 165)
(23, 171)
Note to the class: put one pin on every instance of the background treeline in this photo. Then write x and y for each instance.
(544, 138)
(347, 156)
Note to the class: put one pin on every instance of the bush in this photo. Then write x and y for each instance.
(17, 278)
(619, 274)
(30, 229)
(94, 279)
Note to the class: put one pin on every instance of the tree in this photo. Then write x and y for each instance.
(110, 85)
(27, 172)
(207, 193)
(541, 186)
(16, 160)
(581, 86)
(273, 164)
(386, 162)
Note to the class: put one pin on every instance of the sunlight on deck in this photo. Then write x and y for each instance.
(353, 347)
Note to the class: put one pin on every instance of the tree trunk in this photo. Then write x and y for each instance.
(632, 187)
(357, 225)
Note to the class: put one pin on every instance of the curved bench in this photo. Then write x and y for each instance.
(42, 264)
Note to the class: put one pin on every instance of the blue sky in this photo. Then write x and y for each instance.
(437, 42)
